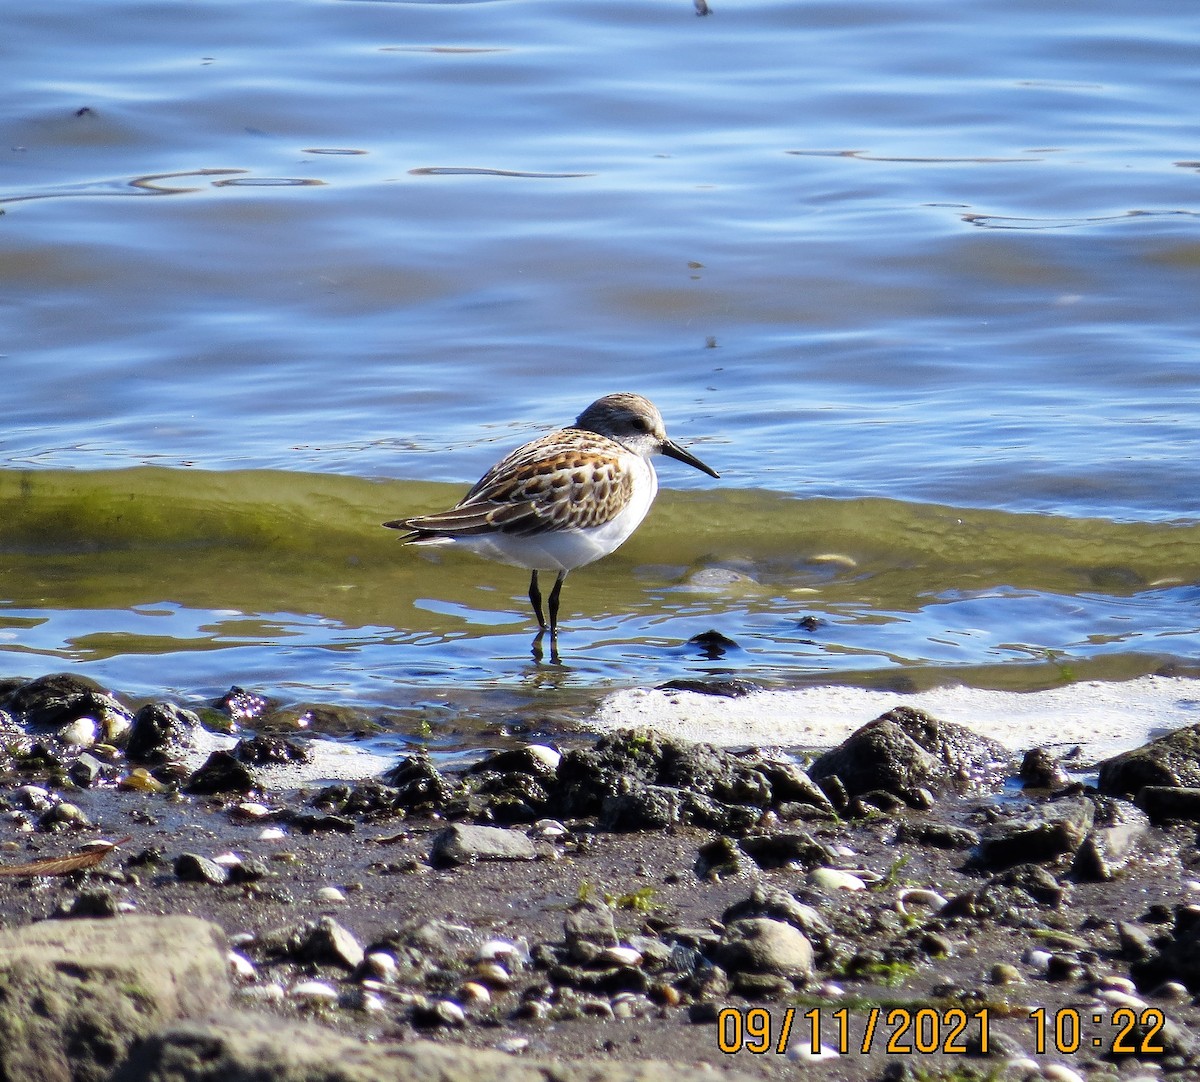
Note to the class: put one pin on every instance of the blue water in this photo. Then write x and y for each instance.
(945, 255)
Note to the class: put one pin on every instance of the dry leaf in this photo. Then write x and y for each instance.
(77, 862)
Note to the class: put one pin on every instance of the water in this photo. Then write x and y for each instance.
(919, 280)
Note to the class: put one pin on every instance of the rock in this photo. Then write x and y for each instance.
(1050, 831)
(57, 700)
(92, 903)
(419, 786)
(193, 868)
(77, 995)
(249, 1050)
(331, 944)
(463, 844)
(1162, 802)
(1172, 760)
(759, 945)
(1178, 955)
(721, 687)
(87, 770)
(263, 750)
(938, 835)
(1041, 770)
(536, 759)
(722, 858)
(638, 779)
(421, 942)
(589, 929)
(322, 941)
(242, 705)
(162, 732)
(1111, 842)
(1024, 886)
(905, 749)
(221, 773)
(779, 905)
(798, 850)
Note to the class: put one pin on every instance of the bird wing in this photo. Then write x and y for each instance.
(567, 480)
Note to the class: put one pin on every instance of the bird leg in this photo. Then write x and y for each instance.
(554, 605)
(535, 599)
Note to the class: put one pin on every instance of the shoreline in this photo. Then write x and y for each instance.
(631, 900)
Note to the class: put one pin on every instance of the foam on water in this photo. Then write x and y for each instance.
(1103, 718)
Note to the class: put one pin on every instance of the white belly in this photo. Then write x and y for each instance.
(565, 550)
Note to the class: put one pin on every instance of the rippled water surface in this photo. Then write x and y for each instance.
(919, 279)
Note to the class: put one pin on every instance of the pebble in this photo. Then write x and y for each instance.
(803, 1053)
(449, 1013)
(381, 965)
(549, 828)
(1058, 1072)
(1173, 992)
(33, 798)
(315, 993)
(494, 974)
(512, 1045)
(622, 956)
(140, 780)
(551, 757)
(1115, 998)
(62, 816)
(1003, 973)
(263, 993)
(241, 967)
(193, 868)
(272, 834)
(1037, 958)
(80, 733)
(475, 993)
(329, 895)
(835, 879)
(496, 949)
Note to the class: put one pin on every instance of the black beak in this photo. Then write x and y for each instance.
(673, 450)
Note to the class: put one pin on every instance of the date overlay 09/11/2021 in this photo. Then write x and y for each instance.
(900, 1031)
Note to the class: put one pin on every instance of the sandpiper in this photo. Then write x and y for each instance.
(561, 501)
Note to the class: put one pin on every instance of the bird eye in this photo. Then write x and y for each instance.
(641, 424)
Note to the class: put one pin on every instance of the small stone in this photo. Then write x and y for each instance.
(835, 879)
(86, 770)
(329, 896)
(193, 868)
(763, 946)
(314, 993)
(329, 942)
(241, 967)
(221, 773)
(382, 966)
(494, 974)
(621, 956)
(589, 929)
(80, 733)
(463, 844)
(549, 829)
(513, 1045)
(1003, 973)
(162, 732)
(443, 1012)
(475, 993)
(497, 950)
(63, 817)
(140, 780)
